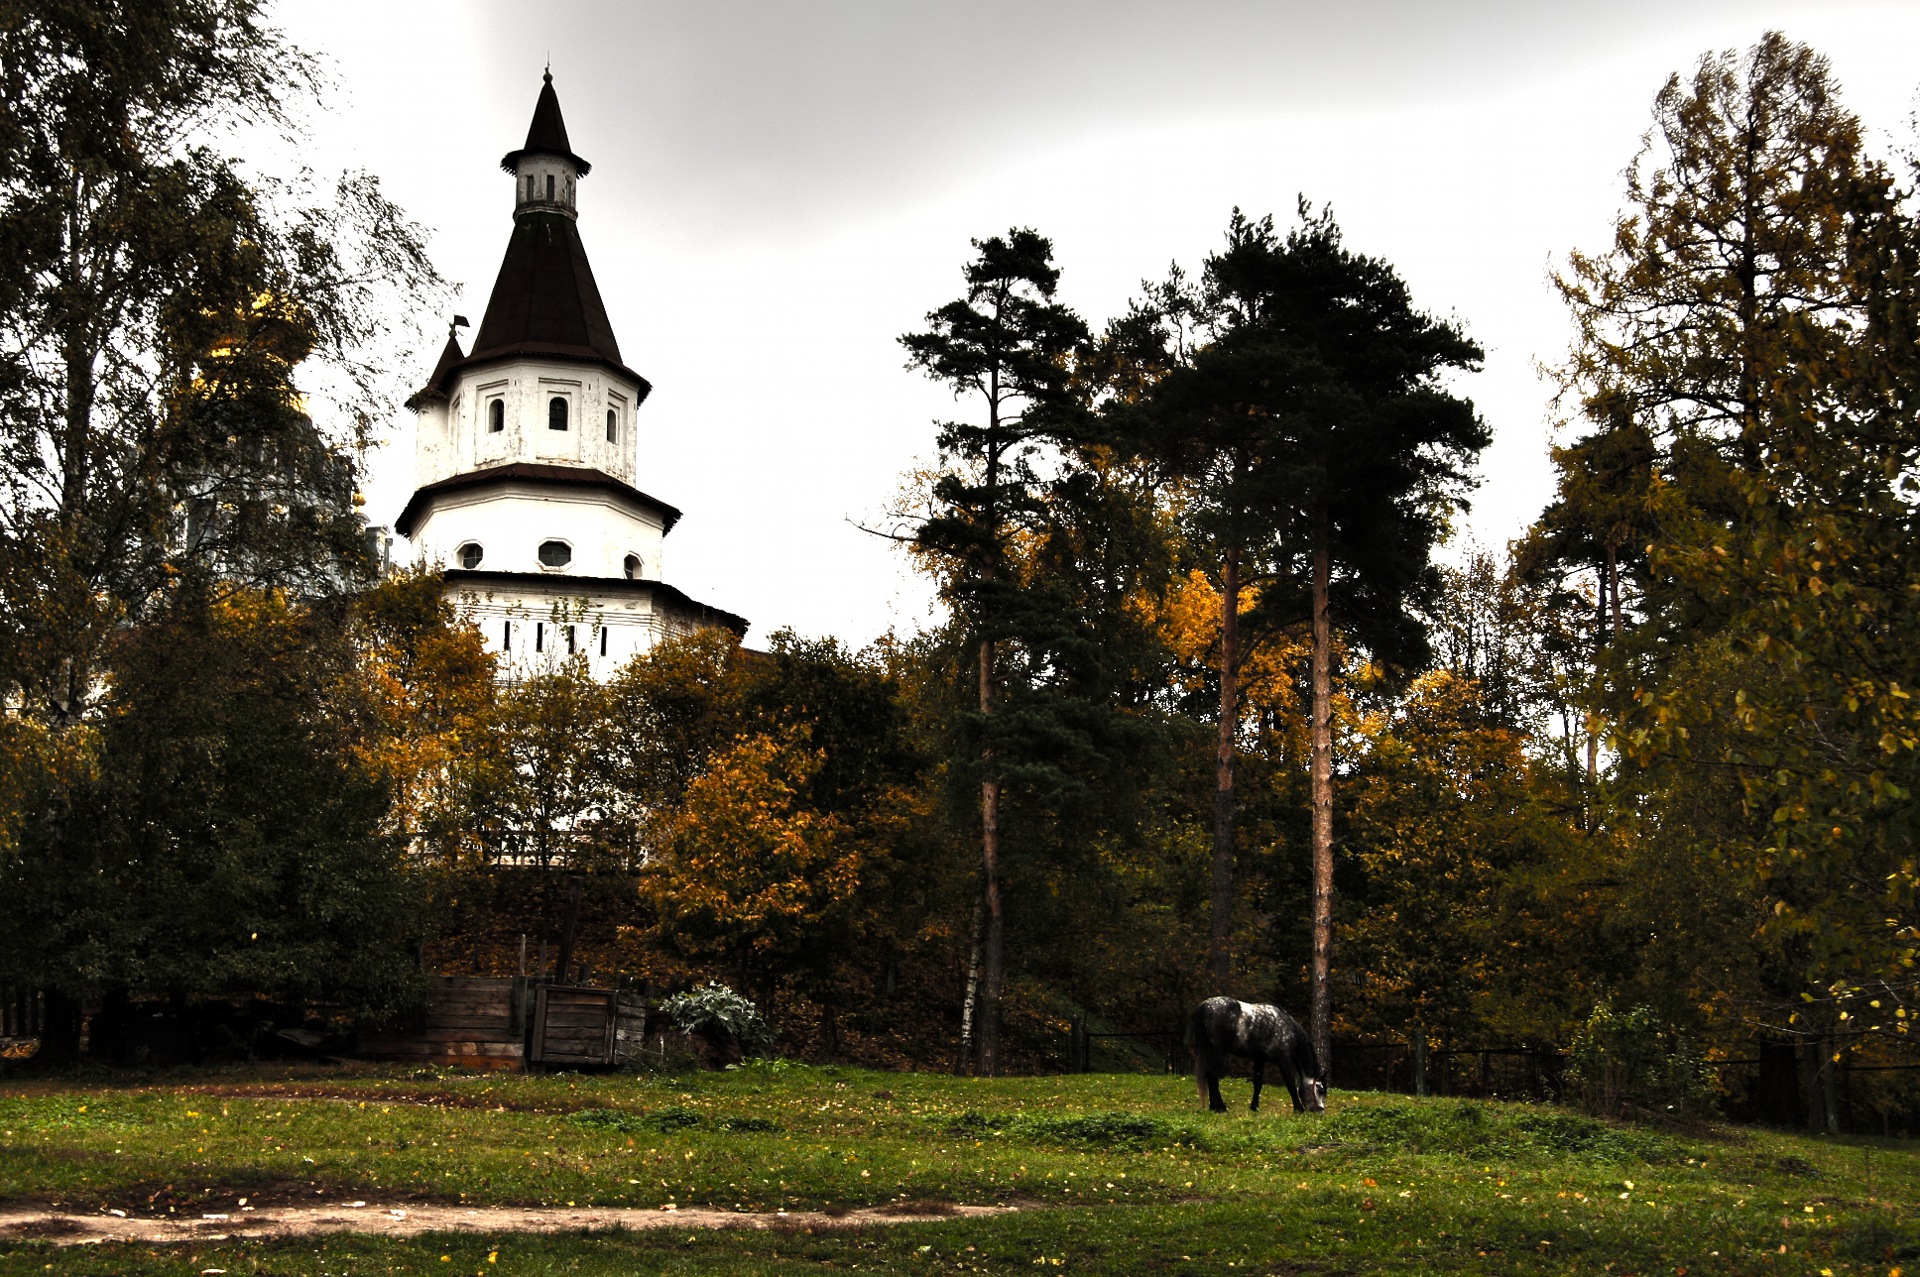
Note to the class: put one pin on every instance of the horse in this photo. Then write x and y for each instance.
(1224, 1027)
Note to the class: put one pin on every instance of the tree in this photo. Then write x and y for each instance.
(160, 322)
(156, 307)
(1752, 321)
(1009, 345)
(1312, 425)
(234, 842)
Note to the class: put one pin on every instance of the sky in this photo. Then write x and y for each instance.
(781, 189)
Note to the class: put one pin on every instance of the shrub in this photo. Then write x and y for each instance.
(1634, 1061)
(674, 1117)
(609, 1120)
(717, 1012)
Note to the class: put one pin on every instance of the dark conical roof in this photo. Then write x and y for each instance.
(547, 134)
(545, 301)
(449, 356)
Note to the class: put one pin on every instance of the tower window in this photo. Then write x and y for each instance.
(470, 555)
(613, 427)
(603, 640)
(557, 413)
(569, 640)
(549, 188)
(555, 554)
(496, 416)
(632, 566)
(539, 636)
(506, 635)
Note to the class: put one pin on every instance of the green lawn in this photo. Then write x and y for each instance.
(1117, 1174)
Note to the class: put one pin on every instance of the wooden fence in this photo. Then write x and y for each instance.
(512, 1022)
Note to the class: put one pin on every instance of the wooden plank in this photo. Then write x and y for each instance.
(500, 1022)
(418, 1049)
(470, 1006)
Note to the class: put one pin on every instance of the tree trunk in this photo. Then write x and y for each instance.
(970, 1006)
(1219, 940)
(1320, 770)
(993, 951)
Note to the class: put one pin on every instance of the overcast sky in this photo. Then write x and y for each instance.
(780, 189)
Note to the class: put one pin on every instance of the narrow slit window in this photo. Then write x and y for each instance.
(557, 413)
(539, 636)
(570, 640)
(496, 416)
(613, 427)
(603, 640)
(549, 188)
(506, 635)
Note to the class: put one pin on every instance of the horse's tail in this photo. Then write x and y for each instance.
(1196, 1040)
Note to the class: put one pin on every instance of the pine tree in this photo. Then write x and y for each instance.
(1006, 345)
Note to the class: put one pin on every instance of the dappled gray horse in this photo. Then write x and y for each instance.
(1265, 1034)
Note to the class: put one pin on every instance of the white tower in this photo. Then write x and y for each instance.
(526, 448)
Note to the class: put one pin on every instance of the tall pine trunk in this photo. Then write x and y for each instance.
(1219, 942)
(1320, 769)
(992, 964)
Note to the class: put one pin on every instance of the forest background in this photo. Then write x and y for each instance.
(1204, 714)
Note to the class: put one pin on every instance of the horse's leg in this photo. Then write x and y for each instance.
(1216, 1065)
(1291, 1076)
(1259, 1079)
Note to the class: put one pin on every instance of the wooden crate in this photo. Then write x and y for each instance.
(574, 1027)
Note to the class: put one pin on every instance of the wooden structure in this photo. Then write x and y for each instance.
(514, 1023)
(476, 1021)
(576, 1027)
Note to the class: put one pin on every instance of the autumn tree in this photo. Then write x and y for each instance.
(1752, 321)
(162, 319)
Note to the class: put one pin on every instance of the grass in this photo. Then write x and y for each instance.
(1116, 1174)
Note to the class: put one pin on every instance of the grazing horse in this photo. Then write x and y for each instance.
(1224, 1027)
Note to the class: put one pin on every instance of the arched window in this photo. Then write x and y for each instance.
(632, 566)
(470, 555)
(556, 413)
(496, 416)
(555, 554)
(613, 427)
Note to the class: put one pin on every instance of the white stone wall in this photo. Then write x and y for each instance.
(530, 631)
(454, 437)
(509, 522)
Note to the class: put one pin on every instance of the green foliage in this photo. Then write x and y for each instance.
(1630, 1061)
(717, 1010)
(674, 1117)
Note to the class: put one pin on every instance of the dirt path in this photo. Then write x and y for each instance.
(63, 1229)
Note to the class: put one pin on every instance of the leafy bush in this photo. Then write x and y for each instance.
(673, 1118)
(718, 1012)
(1633, 1061)
(609, 1120)
(750, 1125)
